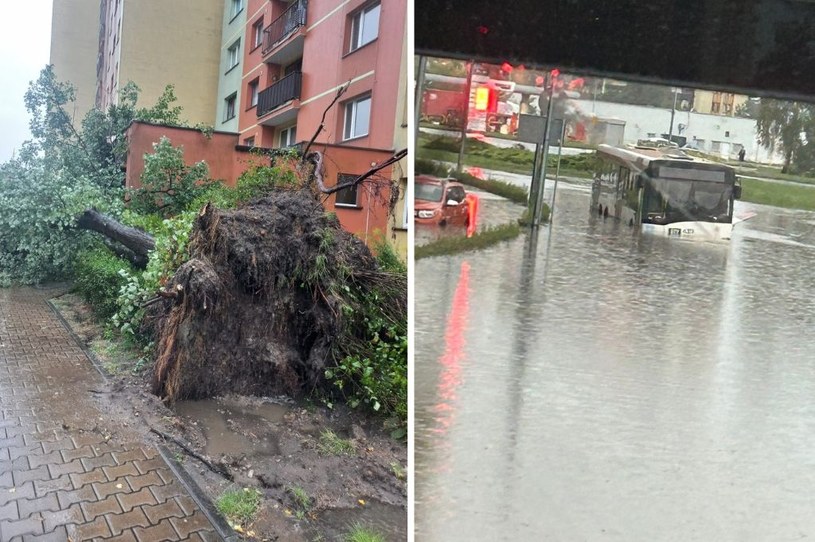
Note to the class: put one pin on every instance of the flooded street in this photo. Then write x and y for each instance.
(601, 385)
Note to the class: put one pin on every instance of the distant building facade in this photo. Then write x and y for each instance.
(74, 48)
(230, 73)
(717, 103)
(155, 43)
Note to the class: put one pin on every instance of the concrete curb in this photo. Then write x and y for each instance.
(215, 518)
(218, 522)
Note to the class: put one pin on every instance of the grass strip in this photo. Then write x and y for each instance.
(480, 240)
(778, 195)
(239, 505)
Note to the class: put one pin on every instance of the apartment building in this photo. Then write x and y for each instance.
(100, 45)
(297, 55)
(230, 74)
(268, 71)
(155, 43)
(74, 46)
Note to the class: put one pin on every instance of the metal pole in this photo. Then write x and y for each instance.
(534, 185)
(673, 110)
(418, 109)
(536, 218)
(557, 170)
(468, 89)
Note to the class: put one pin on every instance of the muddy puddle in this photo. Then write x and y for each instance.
(234, 428)
(272, 445)
(387, 520)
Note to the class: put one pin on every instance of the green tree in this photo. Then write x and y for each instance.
(60, 173)
(168, 184)
(780, 125)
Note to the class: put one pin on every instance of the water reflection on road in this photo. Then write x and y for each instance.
(598, 385)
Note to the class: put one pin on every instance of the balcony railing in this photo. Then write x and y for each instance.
(281, 92)
(282, 27)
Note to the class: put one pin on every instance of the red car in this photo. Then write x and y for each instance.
(439, 201)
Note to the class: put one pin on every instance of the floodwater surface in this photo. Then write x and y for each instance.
(596, 384)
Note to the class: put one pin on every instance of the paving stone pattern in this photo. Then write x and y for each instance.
(62, 477)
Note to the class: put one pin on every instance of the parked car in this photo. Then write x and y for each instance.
(439, 201)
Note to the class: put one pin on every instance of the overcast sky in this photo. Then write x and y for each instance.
(25, 47)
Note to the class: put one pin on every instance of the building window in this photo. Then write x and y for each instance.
(253, 93)
(716, 103)
(249, 141)
(229, 110)
(234, 53)
(257, 34)
(288, 137)
(347, 197)
(237, 7)
(364, 26)
(357, 118)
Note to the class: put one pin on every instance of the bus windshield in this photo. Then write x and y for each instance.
(673, 200)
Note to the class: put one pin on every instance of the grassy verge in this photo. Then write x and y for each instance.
(483, 239)
(331, 444)
(514, 160)
(239, 505)
(361, 533)
(512, 192)
(778, 195)
(302, 502)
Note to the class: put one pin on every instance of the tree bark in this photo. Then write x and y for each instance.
(136, 241)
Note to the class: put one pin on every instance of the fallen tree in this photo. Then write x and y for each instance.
(272, 296)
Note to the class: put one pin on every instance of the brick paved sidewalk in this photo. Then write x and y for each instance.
(67, 472)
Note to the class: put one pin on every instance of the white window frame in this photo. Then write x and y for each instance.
(358, 25)
(351, 109)
(290, 135)
(343, 178)
(233, 99)
(237, 7)
(234, 52)
(257, 31)
(254, 92)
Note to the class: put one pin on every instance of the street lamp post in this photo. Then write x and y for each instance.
(673, 111)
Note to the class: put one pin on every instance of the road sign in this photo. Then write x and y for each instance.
(531, 128)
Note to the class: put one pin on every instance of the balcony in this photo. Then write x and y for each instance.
(283, 38)
(280, 101)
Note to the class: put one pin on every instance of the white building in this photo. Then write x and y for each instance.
(719, 135)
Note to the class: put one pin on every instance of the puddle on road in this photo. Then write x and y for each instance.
(234, 428)
(388, 520)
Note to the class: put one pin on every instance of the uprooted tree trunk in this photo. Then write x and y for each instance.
(262, 301)
(134, 243)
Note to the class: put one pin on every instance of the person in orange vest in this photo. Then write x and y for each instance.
(472, 213)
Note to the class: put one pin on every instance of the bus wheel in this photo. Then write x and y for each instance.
(605, 212)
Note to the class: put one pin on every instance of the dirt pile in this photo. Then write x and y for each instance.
(265, 302)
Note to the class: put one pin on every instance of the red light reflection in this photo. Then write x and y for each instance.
(454, 342)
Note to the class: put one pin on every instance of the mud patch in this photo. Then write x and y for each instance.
(271, 444)
(231, 428)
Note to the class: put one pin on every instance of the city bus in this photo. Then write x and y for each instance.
(665, 192)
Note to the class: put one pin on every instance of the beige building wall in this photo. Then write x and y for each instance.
(717, 103)
(155, 43)
(74, 46)
(397, 225)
